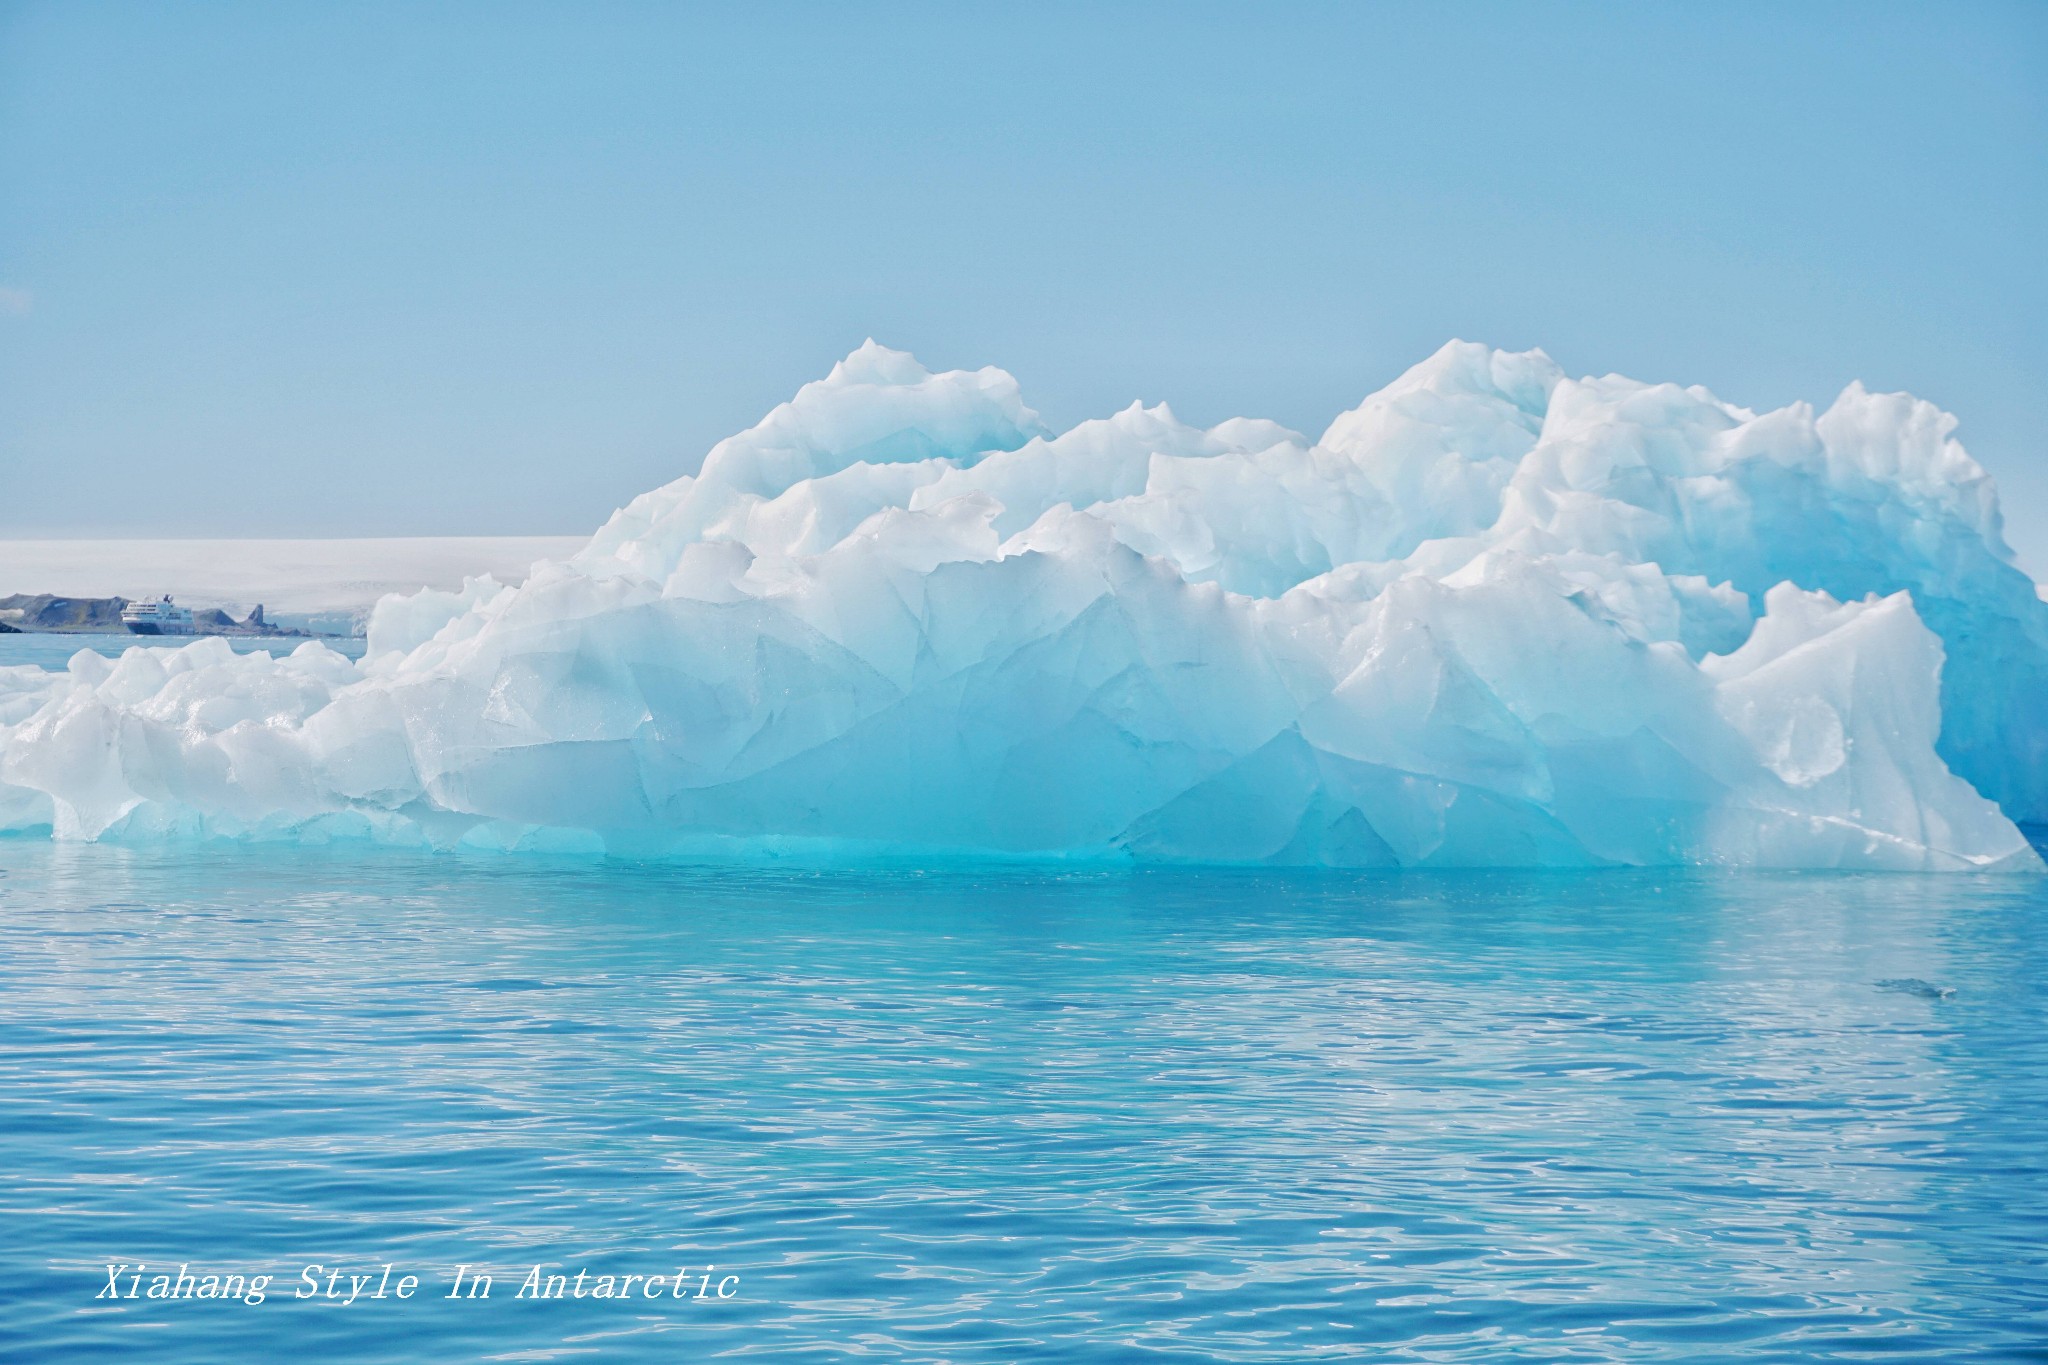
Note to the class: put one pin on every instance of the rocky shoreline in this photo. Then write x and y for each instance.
(49, 614)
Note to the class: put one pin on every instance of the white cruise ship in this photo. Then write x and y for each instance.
(157, 618)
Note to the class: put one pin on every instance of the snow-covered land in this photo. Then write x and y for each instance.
(327, 579)
(1493, 616)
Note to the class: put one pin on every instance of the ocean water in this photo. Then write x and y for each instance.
(53, 649)
(1013, 1115)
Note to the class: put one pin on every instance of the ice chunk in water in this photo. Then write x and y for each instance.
(1494, 615)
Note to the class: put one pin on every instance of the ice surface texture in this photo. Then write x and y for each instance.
(1494, 616)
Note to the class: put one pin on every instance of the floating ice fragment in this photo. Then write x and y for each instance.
(1913, 985)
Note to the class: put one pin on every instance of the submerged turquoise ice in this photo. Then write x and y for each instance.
(999, 1115)
(1493, 616)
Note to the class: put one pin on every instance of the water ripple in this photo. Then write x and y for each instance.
(957, 1117)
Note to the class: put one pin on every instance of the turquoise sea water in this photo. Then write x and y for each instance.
(1007, 1116)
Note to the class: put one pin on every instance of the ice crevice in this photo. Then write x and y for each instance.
(1493, 616)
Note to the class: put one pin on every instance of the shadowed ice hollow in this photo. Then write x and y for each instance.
(1493, 616)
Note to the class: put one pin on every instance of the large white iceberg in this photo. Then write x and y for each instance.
(1494, 616)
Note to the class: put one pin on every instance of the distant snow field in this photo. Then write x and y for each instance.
(290, 578)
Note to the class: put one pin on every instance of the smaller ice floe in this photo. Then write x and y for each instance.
(1913, 985)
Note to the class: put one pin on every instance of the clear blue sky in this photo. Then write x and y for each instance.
(416, 269)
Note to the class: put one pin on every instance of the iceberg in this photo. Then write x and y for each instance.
(1494, 616)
